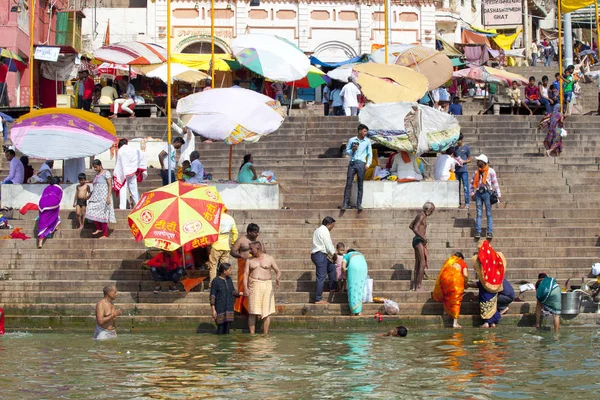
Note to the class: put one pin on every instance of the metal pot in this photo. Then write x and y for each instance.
(571, 303)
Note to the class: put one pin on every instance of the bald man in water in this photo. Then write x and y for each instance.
(419, 243)
(106, 315)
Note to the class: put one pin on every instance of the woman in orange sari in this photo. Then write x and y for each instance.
(450, 286)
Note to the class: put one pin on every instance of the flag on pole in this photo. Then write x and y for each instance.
(572, 5)
(106, 41)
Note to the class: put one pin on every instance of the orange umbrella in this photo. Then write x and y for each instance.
(177, 215)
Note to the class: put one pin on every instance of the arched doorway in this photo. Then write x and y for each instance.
(333, 51)
(202, 48)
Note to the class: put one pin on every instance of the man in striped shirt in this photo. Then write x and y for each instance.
(483, 184)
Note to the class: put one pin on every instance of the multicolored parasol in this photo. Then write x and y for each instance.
(177, 215)
(62, 134)
(131, 53)
(231, 114)
(271, 56)
(315, 78)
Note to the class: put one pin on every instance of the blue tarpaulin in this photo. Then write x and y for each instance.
(315, 61)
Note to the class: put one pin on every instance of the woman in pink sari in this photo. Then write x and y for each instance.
(49, 206)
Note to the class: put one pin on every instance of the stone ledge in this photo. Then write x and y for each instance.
(236, 196)
(387, 194)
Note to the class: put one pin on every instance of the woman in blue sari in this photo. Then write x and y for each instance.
(355, 265)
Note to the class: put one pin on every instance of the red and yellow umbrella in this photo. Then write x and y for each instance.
(177, 215)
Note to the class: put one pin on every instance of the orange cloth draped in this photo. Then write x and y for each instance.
(450, 286)
(485, 170)
(241, 303)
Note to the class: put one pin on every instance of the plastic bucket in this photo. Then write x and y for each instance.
(496, 109)
(571, 303)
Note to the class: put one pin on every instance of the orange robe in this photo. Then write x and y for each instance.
(450, 286)
(241, 303)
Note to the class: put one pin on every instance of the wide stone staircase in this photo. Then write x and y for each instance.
(547, 221)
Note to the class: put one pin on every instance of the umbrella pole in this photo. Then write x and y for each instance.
(597, 32)
(223, 80)
(560, 62)
(169, 117)
(230, 159)
(291, 98)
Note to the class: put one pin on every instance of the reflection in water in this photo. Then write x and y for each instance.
(425, 365)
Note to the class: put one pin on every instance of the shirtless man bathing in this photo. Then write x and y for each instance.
(241, 251)
(419, 243)
(259, 288)
(106, 315)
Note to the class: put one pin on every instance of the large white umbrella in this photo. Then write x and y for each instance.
(178, 72)
(230, 114)
(271, 56)
(341, 73)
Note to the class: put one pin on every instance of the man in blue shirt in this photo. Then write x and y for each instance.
(336, 102)
(361, 155)
(462, 172)
(456, 107)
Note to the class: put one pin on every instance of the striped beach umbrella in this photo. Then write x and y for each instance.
(271, 56)
(177, 215)
(62, 134)
(131, 53)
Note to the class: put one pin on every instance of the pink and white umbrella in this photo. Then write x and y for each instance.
(132, 53)
(490, 75)
(110, 70)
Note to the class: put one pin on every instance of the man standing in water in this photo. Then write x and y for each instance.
(106, 315)
(259, 288)
(241, 251)
(419, 243)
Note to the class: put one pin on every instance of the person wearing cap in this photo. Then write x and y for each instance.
(483, 183)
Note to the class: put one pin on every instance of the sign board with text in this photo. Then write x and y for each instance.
(502, 12)
(47, 53)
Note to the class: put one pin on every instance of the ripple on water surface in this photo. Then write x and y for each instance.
(442, 364)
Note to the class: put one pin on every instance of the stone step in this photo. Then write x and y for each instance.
(183, 309)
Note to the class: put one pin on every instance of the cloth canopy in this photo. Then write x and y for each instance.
(63, 69)
(447, 48)
(315, 61)
(568, 6)
(468, 37)
(223, 62)
(132, 53)
(13, 61)
(505, 41)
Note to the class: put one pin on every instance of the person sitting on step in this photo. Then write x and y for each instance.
(166, 266)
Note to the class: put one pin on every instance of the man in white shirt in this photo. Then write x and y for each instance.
(443, 165)
(16, 173)
(130, 163)
(349, 94)
(322, 249)
(45, 172)
(169, 163)
(196, 172)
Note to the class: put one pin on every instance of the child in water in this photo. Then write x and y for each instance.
(82, 194)
(398, 331)
(222, 295)
(340, 251)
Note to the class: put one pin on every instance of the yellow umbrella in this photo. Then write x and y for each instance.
(177, 215)
(389, 83)
(202, 61)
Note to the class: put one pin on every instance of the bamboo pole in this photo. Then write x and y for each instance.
(31, 59)
(386, 12)
(212, 43)
(597, 31)
(169, 116)
(560, 53)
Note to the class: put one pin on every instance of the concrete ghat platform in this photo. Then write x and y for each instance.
(386, 194)
(236, 196)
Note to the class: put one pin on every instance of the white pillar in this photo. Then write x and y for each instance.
(526, 31)
(568, 40)
(365, 25)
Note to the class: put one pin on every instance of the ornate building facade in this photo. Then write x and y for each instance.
(331, 30)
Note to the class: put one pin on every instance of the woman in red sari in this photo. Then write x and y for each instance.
(450, 286)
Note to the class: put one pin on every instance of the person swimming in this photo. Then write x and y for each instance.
(400, 331)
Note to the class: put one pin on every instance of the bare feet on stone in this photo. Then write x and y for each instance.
(321, 302)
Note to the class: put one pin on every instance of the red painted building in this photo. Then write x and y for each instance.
(14, 36)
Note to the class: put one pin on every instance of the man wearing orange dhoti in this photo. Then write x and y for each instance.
(450, 286)
(241, 251)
